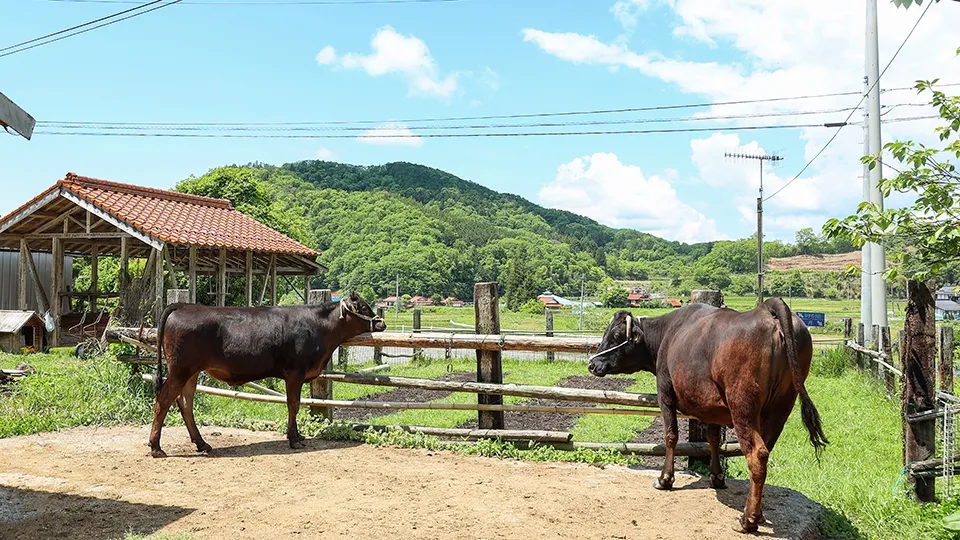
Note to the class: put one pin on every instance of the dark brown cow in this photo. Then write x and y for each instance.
(723, 367)
(238, 344)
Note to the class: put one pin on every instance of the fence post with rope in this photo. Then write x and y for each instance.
(549, 327)
(486, 300)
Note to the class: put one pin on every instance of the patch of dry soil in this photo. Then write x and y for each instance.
(101, 483)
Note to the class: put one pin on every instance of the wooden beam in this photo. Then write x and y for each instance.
(42, 299)
(222, 279)
(88, 215)
(248, 279)
(111, 219)
(65, 235)
(56, 286)
(24, 255)
(528, 391)
(306, 288)
(266, 281)
(489, 367)
(273, 279)
(192, 270)
(16, 118)
(158, 284)
(919, 389)
(124, 262)
(30, 209)
(94, 274)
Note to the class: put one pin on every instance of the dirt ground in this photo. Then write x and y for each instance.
(101, 483)
(830, 261)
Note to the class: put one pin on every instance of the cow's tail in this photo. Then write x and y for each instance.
(158, 380)
(811, 418)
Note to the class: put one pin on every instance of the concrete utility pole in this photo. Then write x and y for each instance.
(878, 290)
(761, 158)
(866, 297)
(12, 116)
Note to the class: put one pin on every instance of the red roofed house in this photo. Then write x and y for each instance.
(174, 232)
(420, 301)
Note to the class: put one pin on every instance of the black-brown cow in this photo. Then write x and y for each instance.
(238, 344)
(743, 370)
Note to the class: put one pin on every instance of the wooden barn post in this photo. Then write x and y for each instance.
(875, 368)
(378, 351)
(486, 301)
(549, 325)
(886, 347)
(698, 430)
(248, 280)
(94, 289)
(158, 284)
(321, 388)
(417, 325)
(861, 358)
(919, 388)
(273, 279)
(56, 286)
(847, 336)
(22, 300)
(945, 358)
(222, 279)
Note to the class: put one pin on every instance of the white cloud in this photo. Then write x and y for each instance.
(325, 154)
(601, 187)
(394, 53)
(391, 134)
(326, 56)
(626, 11)
(784, 48)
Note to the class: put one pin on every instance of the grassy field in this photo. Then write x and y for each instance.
(855, 479)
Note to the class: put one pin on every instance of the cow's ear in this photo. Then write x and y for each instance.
(354, 296)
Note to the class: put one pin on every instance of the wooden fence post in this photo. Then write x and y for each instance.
(549, 326)
(698, 430)
(378, 351)
(886, 347)
(417, 317)
(861, 358)
(875, 368)
(919, 376)
(486, 300)
(945, 358)
(847, 336)
(321, 388)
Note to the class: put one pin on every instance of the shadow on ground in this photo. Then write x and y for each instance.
(27, 513)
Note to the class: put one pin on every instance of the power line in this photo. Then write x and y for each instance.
(322, 127)
(863, 97)
(266, 3)
(375, 135)
(490, 117)
(80, 25)
(85, 30)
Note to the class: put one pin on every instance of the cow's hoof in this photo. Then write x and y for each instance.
(746, 525)
(158, 453)
(662, 486)
(203, 448)
(717, 482)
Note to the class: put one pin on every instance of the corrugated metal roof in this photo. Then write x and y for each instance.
(14, 321)
(948, 305)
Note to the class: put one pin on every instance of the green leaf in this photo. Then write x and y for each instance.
(952, 522)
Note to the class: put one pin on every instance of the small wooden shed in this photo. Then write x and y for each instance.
(20, 329)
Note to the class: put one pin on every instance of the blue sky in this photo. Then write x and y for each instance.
(283, 63)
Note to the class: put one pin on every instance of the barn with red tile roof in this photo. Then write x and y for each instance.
(173, 232)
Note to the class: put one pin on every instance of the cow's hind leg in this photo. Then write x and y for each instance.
(671, 432)
(755, 450)
(185, 402)
(168, 394)
(717, 480)
(294, 384)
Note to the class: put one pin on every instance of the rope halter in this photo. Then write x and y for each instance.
(345, 307)
(631, 338)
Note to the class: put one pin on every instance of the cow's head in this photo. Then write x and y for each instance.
(355, 307)
(622, 348)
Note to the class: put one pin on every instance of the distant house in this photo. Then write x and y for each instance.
(420, 301)
(453, 301)
(948, 292)
(948, 303)
(552, 301)
(387, 302)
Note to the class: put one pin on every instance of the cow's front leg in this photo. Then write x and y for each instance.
(668, 409)
(294, 384)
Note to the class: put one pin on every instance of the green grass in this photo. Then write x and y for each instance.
(854, 480)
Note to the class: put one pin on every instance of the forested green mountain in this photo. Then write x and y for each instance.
(441, 234)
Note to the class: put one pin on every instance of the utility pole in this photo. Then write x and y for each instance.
(878, 292)
(396, 305)
(866, 297)
(761, 158)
